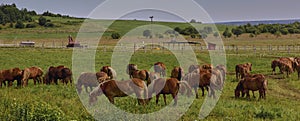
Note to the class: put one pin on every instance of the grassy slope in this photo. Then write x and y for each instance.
(282, 103)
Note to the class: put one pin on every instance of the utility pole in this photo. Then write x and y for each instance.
(151, 18)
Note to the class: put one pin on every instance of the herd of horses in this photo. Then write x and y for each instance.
(53, 74)
(144, 83)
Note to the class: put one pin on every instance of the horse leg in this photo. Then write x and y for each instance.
(175, 99)
(165, 99)
(196, 92)
(247, 94)
(157, 97)
(34, 81)
(253, 94)
(111, 100)
(86, 89)
(202, 88)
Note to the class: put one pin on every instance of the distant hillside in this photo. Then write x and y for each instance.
(237, 23)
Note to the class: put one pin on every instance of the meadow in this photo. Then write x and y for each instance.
(61, 102)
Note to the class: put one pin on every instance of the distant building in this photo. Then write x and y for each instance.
(211, 46)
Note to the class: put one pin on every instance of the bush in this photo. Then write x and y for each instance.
(115, 35)
(30, 25)
(49, 24)
(19, 25)
(42, 21)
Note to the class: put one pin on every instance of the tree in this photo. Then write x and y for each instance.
(147, 33)
(237, 31)
(42, 21)
(19, 25)
(216, 34)
(193, 21)
(208, 29)
(177, 29)
(115, 35)
(227, 33)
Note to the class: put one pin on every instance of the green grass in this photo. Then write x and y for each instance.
(282, 101)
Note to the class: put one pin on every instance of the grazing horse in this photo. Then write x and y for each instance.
(160, 68)
(90, 80)
(110, 72)
(254, 84)
(286, 67)
(130, 69)
(275, 63)
(177, 73)
(193, 67)
(59, 72)
(169, 86)
(112, 89)
(242, 69)
(198, 79)
(34, 73)
(143, 75)
(10, 75)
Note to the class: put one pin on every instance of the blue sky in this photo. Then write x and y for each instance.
(218, 10)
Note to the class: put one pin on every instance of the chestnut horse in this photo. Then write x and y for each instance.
(143, 75)
(10, 75)
(169, 86)
(90, 80)
(34, 73)
(112, 89)
(160, 67)
(59, 72)
(242, 69)
(257, 83)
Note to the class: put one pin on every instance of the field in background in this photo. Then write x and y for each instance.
(282, 101)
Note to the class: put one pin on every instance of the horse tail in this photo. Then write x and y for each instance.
(147, 77)
(187, 86)
(179, 74)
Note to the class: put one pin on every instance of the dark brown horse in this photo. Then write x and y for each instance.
(275, 63)
(90, 80)
(177, 73)
(59, 72)
(257, 83)
(110, 72)
(112, 89)
(130, 69)
(169, 86)
(34, 73)
(160, 67)
(143, 75)
(10, 75)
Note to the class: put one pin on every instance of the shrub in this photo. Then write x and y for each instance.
(115, 35)
(42, 21)
(49, 24)
(19, 25)
(30, 25)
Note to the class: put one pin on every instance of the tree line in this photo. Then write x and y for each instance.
(254, 30)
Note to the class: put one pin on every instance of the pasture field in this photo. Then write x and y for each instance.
(61, 102)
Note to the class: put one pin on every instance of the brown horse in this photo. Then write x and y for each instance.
(242, 69)
(286, 67)
(160, 67)
(275, 63)
(198, 79)
(169, 86)
(112, 89)
(143, 75)
(59, 72)
(130, 69)
(207, 66)
(34, 73)
(10, 75)
(177, 73)
(90, 80)
(254, 84)
(110, 72)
